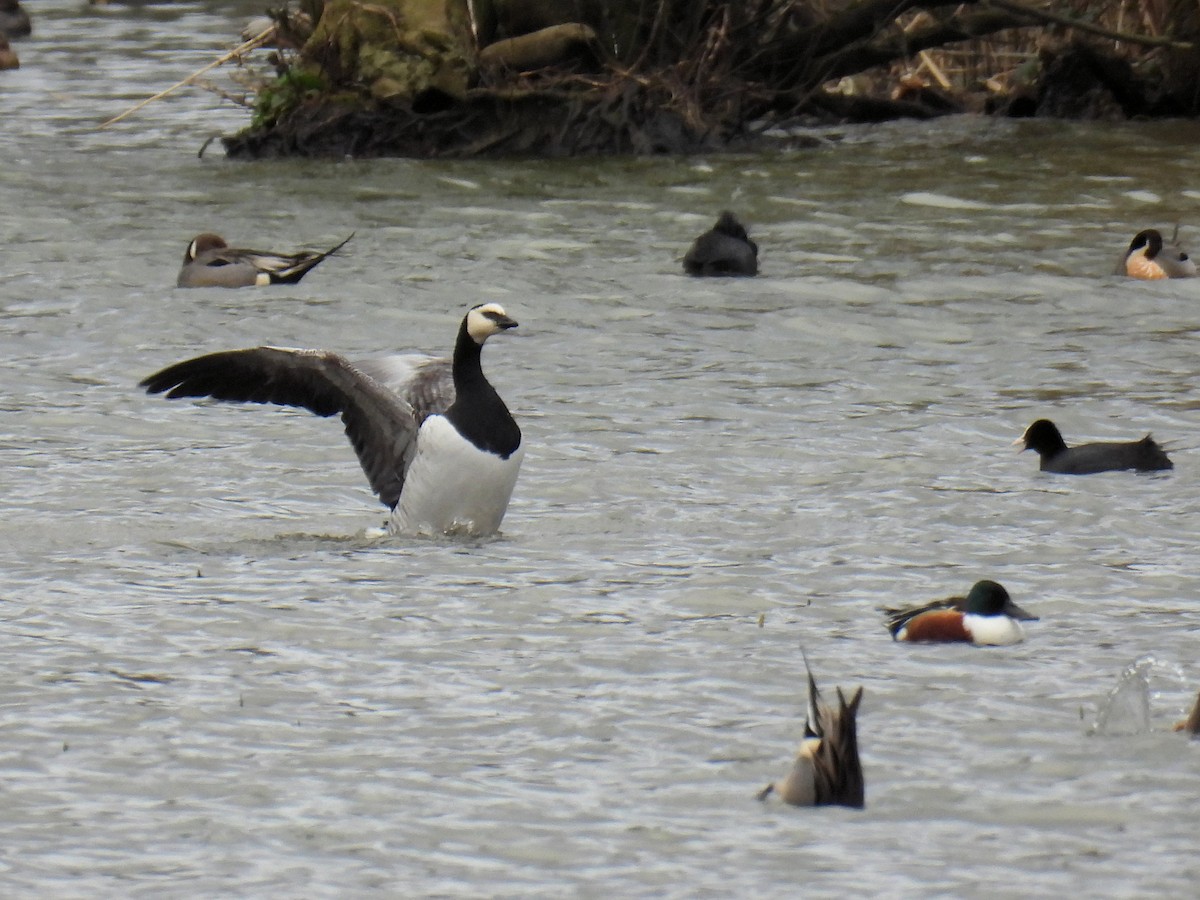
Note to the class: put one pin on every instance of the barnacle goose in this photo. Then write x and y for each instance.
(435, 440)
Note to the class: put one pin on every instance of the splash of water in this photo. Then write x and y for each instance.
(1126, 709)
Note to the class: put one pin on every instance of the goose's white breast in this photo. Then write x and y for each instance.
(453, 487)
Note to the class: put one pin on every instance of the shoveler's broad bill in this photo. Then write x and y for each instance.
(827, 770)
(987, 616)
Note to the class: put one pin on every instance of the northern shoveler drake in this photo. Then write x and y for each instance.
(1192, 723)
(827, 770)
(987, 616)
(1087, 459)
(1150, 258)
(725, 249)
(210, 262)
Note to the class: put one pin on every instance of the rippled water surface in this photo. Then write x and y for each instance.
(218, 680)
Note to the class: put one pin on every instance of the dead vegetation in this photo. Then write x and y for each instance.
(679, 75)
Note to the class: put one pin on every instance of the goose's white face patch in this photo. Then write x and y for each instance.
(481, 325)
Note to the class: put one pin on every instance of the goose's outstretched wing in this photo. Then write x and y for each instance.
(381, 425)
(426, 382)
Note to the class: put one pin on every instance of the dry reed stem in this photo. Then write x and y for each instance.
(253, 44)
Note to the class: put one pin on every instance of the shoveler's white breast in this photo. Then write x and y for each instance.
(993, 631)
(453, 487)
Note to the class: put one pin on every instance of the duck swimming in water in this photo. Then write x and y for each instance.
(1150, 258)
(725, 249)
(1044, 437)
(987, 617)
(210, 262)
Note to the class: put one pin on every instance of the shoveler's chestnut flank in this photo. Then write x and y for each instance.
(8, 57)
(725, 249)
(897, 615)
(987, 617)
(827, 770)
(1150, 258)
(1192, 723)
(1088, 459)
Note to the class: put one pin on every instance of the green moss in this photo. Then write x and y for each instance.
(284, 94)
(393, 49)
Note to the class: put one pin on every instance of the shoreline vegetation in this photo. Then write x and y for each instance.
(465, 78)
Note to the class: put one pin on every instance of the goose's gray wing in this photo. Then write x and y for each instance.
(381, 425)
(426, 382)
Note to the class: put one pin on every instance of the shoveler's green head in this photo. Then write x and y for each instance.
(988, 598)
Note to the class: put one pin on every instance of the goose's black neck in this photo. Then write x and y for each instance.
(478, 413)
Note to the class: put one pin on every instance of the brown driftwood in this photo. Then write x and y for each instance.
(684, 75)
(554, 45)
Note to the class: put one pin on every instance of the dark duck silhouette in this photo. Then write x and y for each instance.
(725, 249)
(1087, 459)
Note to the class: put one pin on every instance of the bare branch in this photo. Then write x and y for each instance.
(1045, 15)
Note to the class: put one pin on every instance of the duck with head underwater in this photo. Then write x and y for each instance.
(827, 770)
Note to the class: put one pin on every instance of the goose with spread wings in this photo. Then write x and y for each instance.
(434, 438)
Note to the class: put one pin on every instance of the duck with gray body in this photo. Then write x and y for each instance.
(725, 249)
(210, 262)
(1044, 437)
(1150, 257)
(436, 441)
